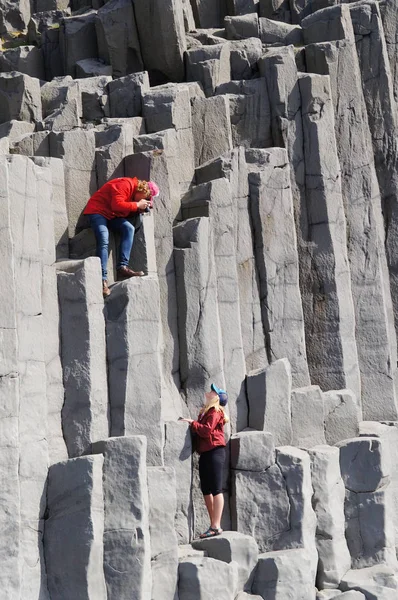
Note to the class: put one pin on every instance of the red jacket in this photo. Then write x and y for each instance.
(113, 199)
(209, 429)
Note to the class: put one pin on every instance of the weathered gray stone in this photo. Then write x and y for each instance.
(269, 396)
(308, 416)
(84, 414)
(215, 198)
(14, 16)
(244, 56)
(252, 450)
(125, 94)
(369, 275)
(133, 320)
(155, 166)
(284, 574)
(56, 93)
(53, 63)
(388, 434)
(245, 596)
(94, 97)
(276, 33)
(274, 506)
(13, 130)
(201, 356)
(178, 455)
(280, 10)
(233, 546)
(19, 98)
(163, 21)
(277, 263)
(328, 504)
(199, 577)
(42, 21)
(74, 529)
(118, 43)
(332, 23)
(241, 7)
(164, 543)
(390, 27)
(352, 595)
(382, 116)
(167, 107)
(208, 13)
(324, 270)
(250, 112)
(365, 467)
(211, 127)
(210, 65)
(241, 28)
(90, 67)
(114, 143)
(25, 59)
(380, 582)
(77, 40)
(342, 415)
(77, 149)
(4, 146)
(127, 548)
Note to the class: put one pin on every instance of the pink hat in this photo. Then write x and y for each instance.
(154, 189)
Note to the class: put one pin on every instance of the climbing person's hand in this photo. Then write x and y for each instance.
(143, 204)
(186, 420)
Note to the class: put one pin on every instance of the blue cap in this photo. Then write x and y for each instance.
(222, 394)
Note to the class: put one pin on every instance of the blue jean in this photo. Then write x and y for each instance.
(101, 227)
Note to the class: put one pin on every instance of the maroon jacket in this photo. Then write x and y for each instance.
(209, 429)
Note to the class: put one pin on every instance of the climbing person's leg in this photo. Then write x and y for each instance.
(99, 225)
(126, 230)
(211, 465)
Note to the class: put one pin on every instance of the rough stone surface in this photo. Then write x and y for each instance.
(342, 416)
(252, 451)
(19, 98)
(198, 577)
(269, 395)
(284, 574)
(308, 417)
(127, 546)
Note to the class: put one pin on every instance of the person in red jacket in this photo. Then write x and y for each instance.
(209, 430)
(109, 208)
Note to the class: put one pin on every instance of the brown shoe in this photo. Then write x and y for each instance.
(105, 290)
(125, 273)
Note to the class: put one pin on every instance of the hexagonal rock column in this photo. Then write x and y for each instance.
(133, 326)
(269, 395)
(325, 279)
(127, 548)
(388, 434)
(199, 577)
(201, 362)
(211, 127)
(210, 65)
(215, 199)
(379, 582)
(365, 469)
(233, 546)
(74, 529)
(275, 245)
(328, 503)
(283, 574)
(342, 415)
(83, 355)
(10, 519)
(308, 416)
(20, 98)
(164, 543)
(162, 20)
(375, 333)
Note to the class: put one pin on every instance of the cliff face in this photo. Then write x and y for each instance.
(271, 269)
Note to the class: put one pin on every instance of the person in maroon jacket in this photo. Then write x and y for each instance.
(209, 430)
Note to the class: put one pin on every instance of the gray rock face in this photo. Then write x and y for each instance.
(211, 127)
(232, 546)
(164, 548)
(308, 417)
(210, 65)
(75, 505)
(244, 56)
(25, 59)
(269, 395)
(276, 33)
(133, 315)
(198, 577)
(125, 94)
(284, 574)
(339, 60)
(378, 581)
(85, 411)
(162, 20)
(252, 451)
(19, 98)
(127, 547)
(277, 263)
(115, 21)
(328, 503)
(342, 416)
(240, 28)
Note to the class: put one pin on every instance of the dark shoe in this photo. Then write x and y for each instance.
(105, 290)
(125, 273)
(211, 532)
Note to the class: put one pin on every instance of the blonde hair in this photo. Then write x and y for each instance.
(215, 403)
(142, 186)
